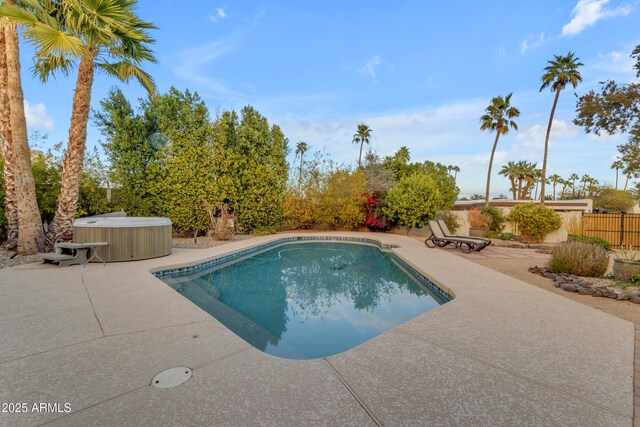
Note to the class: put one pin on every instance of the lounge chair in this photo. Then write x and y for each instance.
(464, 244)
(445, 230)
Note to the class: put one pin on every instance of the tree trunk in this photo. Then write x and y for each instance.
(493, 151)
(360, 158)
(62, 225)
(513, 188)
(520, 188)
(546, 145)
(616, 179)
(554, 190)
(626, 182)
(11, 210)
(300, 177)
(30, 233)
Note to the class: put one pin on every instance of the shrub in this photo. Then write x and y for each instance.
(478, 219)
(580, 259)
(450, 219)
(574, 225)
(496, 223)
(505, 236)
(298, 209)
(340, 204)
(414, 200)
(534, 221)
(374, 218)
(635, 279)
(592, 240)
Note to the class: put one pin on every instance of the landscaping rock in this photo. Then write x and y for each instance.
(624, 296)
(635, 298)
(568, 287)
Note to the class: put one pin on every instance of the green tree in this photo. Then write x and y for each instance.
(342, 200)
(498, 118)
(414, 200)
(559, 72)
(362, 136)
(572, 178)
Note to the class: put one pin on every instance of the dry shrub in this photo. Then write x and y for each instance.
(580, 259)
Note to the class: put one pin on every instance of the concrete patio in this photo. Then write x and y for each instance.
(501, 353)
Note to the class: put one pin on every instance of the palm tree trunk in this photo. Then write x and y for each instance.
(11, 210)
(546, 145)
(300, 176)
(62, 225)
(554, 190)
(30, 233)
(360, 158)
(520, 196)
(626, 182)
(493, 152)
(616, 178)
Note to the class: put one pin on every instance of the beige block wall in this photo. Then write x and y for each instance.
(555, 237)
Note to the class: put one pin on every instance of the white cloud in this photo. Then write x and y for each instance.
(588, 12)
(532, 42)
(534, 136)
(369, 68)
(218, 15)
(37, 116)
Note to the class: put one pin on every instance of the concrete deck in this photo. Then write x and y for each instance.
(501, 353)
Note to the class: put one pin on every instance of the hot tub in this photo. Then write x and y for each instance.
(129, 238)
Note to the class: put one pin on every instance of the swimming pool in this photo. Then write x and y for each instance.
(311, 299)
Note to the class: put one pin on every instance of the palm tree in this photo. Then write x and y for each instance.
(537, 177)
(561, 71)
(527, 177)
(497, 118)
(510, 170)
(23, 206)
(455, 170)
(301, 148)
(573, 177)
(113, 39)
(584, 180)
(617, 165)
(554, 180)
(362, 136)
(564, 183)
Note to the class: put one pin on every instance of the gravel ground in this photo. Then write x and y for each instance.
(11, 259)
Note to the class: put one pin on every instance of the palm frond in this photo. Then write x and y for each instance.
(125, 71)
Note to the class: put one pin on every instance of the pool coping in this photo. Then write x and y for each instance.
(497, 328)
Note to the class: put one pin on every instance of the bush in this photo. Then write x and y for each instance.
(298, 209)
(592, 240)
(450, 219)
(414, 200)
(534, 221)
(374, 218)
(496, 222)
(340, 204)
(478, 219)
(505, 236)
(580, 259)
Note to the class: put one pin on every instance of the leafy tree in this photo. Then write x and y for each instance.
(414, 200)
(559, 72)
(534, 221)
(379, 178)
(133, 146)
(362, 136)
(498, 118)
(186, 179)
(398, 163)
(614, 200)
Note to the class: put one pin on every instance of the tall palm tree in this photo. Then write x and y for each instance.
(584, 180)
(23, 206)
(455, 170)
(114, 40)
(510, 170)
(527, 177)
(301, 148)
(573, 177)
(362, 136)
(617, 165)
(497, 118)
(559, 72)
(554, 180)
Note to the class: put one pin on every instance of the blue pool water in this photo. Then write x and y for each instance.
(308, 300)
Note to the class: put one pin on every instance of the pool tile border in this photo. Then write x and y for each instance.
(440, 293)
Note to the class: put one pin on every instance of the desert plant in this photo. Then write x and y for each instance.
(450, 219)
(534, 221)
(223, 227)
(478, 219)
(505, 236)
(627, 253)
(580, 259)
(496, 223)
(592, 240)
(574, 225)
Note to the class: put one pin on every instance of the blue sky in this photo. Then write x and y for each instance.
(418, 73)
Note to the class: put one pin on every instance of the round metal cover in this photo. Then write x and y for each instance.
(171, 377)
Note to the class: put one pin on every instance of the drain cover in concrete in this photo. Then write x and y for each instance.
(171, 377)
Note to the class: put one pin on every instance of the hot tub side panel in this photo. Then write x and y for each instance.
(127, 243)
